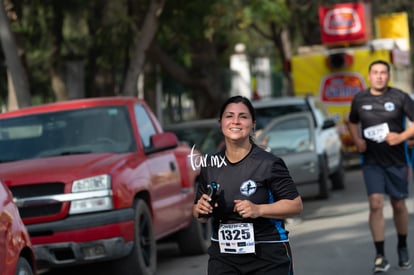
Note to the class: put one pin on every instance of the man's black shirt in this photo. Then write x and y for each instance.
(391, 107)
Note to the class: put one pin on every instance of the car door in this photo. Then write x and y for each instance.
(292, 138)
(165, 177)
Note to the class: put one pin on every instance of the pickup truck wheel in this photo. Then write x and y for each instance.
(338, 178)
(143, 258)
(323, 178)
(195, 239)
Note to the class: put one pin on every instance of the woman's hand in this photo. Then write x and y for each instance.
(246, 209)
(282, 209)
(203, 206)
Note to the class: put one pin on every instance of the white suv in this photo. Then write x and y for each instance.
(299, 130)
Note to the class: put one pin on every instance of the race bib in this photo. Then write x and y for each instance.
(236, 238)
(377, 133)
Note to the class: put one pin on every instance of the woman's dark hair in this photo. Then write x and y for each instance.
(239, 99)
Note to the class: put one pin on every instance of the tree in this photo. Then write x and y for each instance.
(191, 41)
(189, 49)
(141, 45)
(19, 95)
(55, 32)
(272, 21)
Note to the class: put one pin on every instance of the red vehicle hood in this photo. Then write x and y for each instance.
(59, 169)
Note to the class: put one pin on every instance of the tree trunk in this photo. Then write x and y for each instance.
(280, 44)
(142, 43)
(58, 83)
(74, 79)
(207, 98)
(12, 100)
(19, 88)
(94, 77)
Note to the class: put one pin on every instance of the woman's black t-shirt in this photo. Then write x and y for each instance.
(260, 178)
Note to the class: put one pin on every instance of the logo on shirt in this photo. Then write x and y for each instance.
(389, 106)
(366, 107)
(248, 188)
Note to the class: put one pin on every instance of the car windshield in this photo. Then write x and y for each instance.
(81, 131)
(290, 136)
(265, 114)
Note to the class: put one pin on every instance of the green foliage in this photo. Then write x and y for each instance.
(268, 11)
(183, 24)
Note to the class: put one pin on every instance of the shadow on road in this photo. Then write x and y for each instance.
(350, 200)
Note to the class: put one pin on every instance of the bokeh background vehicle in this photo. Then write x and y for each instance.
(326, 142)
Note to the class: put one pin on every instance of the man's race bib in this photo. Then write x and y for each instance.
(236, 238)
(377, 133)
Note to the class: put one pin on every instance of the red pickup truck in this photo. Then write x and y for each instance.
(98, 180)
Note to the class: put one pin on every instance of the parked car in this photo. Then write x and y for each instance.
(204, 134)
(16, 252)
(98, 180)
(312, 131)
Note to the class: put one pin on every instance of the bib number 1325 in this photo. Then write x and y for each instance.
(237, 238)
(235, 234)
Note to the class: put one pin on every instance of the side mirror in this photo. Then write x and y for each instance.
(329, 123)
(162, 141)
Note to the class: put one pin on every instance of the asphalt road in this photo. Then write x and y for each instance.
(330, 237)
(334, 237)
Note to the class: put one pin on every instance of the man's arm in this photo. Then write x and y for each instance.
(394, 138)
(359, 142)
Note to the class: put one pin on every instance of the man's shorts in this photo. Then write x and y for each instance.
(392, 180)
